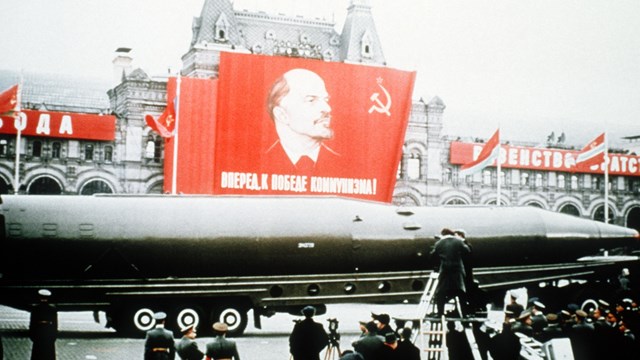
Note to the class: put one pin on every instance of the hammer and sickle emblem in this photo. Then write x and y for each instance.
(378, 105)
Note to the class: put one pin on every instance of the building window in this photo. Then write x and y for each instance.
(503, 178)
(570, 209)
(36, 149)
(222, 27)
(365, 50)
(88, 152)
(55, 150)
(595, 183)
(413, 167)
(561, 182)
(3, 147)
(574, 182)
(149, 149)
(524, 179)
(108, 153)
(486, 177)
(538, 180)
(157, 153)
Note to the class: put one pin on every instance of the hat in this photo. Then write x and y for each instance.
(552, 318)
(309, 311)
(44, 292)
(383, 318)
(460, 231)
(539, 305)
(525, 314)
(160, 315)
(514, 294)
(581, 314)
(603, 303)
(371, 327)
(186, 328)
(220, 327)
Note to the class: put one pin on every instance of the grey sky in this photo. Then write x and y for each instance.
(528, 66)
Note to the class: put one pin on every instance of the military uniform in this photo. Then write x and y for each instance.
(158, 343)
(221, 348)
(187, 349)
(43, 328)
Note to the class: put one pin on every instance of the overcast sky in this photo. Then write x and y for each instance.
(528, 66)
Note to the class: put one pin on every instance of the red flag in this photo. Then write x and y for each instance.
(592, 149)
(166, 123)
(487, 155)
(9, 99)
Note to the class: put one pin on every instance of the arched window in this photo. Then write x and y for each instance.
(598, 215)
(413, 166)
(96, 187)
(365, 49)
(570, 209)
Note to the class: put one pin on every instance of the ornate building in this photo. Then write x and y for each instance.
(131, 163)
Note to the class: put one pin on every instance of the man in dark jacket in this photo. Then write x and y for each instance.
(158, 344)
(187, 348)
(505, 345)
(43, 328)
(221, 348)
(450, 251)
(370, 344)
(308, 337)
(406, 349)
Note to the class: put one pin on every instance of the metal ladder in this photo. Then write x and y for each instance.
(433, 334)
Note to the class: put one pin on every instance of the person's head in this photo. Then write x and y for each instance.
(460, 233)
(371, 327)
(381, 320)
(405, 334)
(189, 331)
(44, 295)
(220, 328)
(160, 317)
(447, 232)
(308, 311)
(299, 101)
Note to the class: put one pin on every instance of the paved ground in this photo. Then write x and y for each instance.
(81, 338)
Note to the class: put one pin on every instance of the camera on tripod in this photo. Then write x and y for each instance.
(334, 336)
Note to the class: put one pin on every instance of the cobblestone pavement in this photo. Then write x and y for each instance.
(80, 338)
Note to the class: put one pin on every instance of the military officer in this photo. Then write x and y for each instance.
(43, 328)
(308, 337)
(158, 343)
(220, 348)
(187, 348)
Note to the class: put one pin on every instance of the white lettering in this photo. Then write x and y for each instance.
(633, 165)
(44, 124)
(65, 125)
(535, 158)
(524, 157)
(557, 160)
(289, 183)
(235, 180)
(513, 156)
(614, 164)
(20, 122)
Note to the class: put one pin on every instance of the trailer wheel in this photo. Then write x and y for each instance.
(189, 315)
(234, 317)
(143, 319)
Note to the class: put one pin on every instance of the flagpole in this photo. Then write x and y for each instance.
(498, 170)
(174, 172)
(606, 179)
(17, 123)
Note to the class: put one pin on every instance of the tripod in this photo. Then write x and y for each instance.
(333, 348)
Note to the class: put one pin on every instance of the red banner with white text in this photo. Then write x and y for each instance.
(297, 126)
(61, 125)
(519, 157)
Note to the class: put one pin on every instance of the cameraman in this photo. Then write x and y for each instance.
(308, 337)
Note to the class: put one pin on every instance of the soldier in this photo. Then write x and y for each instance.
(187, 348)
(158, 344)
(513, 309)
(43, 328)
(308, 337)
(220, 348)
(505, 345)
(406, 349)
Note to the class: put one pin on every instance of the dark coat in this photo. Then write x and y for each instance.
(450, 251)
(370, 346)
(307, 340)
(159, 345)
(275, 160)
(406, 350)
(43, 330)
(187, 349)
(222, 348)
(505, 346)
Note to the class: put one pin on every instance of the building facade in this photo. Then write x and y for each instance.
(132, 163)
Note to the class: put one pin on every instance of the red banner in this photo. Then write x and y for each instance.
(61, 125)
(519, 157)
(195, 133)
(300, 126)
